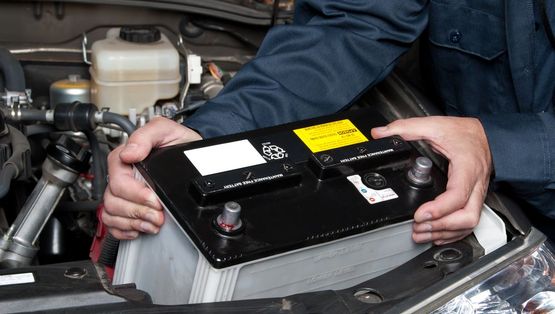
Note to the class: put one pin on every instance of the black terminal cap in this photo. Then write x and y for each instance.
(69, 154)
(139, 34)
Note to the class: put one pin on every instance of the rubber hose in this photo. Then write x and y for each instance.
(119, 120)
(99, 183)
(109, 252)
(104, 148)
(81, 206)
(31, 115)
(12, 72)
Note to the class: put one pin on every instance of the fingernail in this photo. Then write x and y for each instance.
(427, 227)
(425, 217)
(131, 234)
(381, 129)
(439, 242)
(146, 227)
(152, 217)
(151, 200)
(423, 237)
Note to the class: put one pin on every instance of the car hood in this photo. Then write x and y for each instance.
(255, 12)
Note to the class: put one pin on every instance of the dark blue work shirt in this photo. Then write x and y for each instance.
(489, 59)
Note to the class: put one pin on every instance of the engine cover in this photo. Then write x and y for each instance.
(322, 206)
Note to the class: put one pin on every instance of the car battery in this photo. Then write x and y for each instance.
(311, 205)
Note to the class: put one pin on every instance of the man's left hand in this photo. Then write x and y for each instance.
(453, 214)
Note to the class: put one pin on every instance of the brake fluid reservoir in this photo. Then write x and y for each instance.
(133, 67)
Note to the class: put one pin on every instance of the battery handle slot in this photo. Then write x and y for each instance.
(244, 182)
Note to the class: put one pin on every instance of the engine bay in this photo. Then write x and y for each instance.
(134, 63)
(78, 77)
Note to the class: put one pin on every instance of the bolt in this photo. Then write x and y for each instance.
(368, 296)
(75, 272)
(448, 255)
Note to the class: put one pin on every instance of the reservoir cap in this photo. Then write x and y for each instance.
(140, 34)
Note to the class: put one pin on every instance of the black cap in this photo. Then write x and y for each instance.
(139, 34)
(69, 154)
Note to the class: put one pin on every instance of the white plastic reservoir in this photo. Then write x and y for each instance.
(133, 68)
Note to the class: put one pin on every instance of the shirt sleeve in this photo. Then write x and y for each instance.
(522, 147)
(333, 52)
(523, 152)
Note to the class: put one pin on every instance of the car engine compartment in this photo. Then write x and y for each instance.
(77, 77)
(186, 60)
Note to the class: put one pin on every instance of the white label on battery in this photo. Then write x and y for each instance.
(15, 279)
(224, 157)
(371, 195)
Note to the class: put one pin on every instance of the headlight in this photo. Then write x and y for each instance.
(525, 286)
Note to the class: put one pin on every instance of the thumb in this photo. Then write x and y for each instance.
(141, 142)
(158, 132)
(380, 132)
(134, 152)
(412, 129)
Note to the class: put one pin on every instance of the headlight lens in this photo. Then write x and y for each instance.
(525, 286)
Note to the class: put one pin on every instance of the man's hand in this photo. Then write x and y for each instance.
(453, 214)
(129, 205)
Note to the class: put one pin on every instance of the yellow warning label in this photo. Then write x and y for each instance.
(330, 135)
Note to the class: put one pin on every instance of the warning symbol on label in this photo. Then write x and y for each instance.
(371, 195)
(273, 152)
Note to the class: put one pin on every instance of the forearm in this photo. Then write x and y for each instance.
(333, 52)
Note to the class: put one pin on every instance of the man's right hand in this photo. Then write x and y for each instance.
(130, 206)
